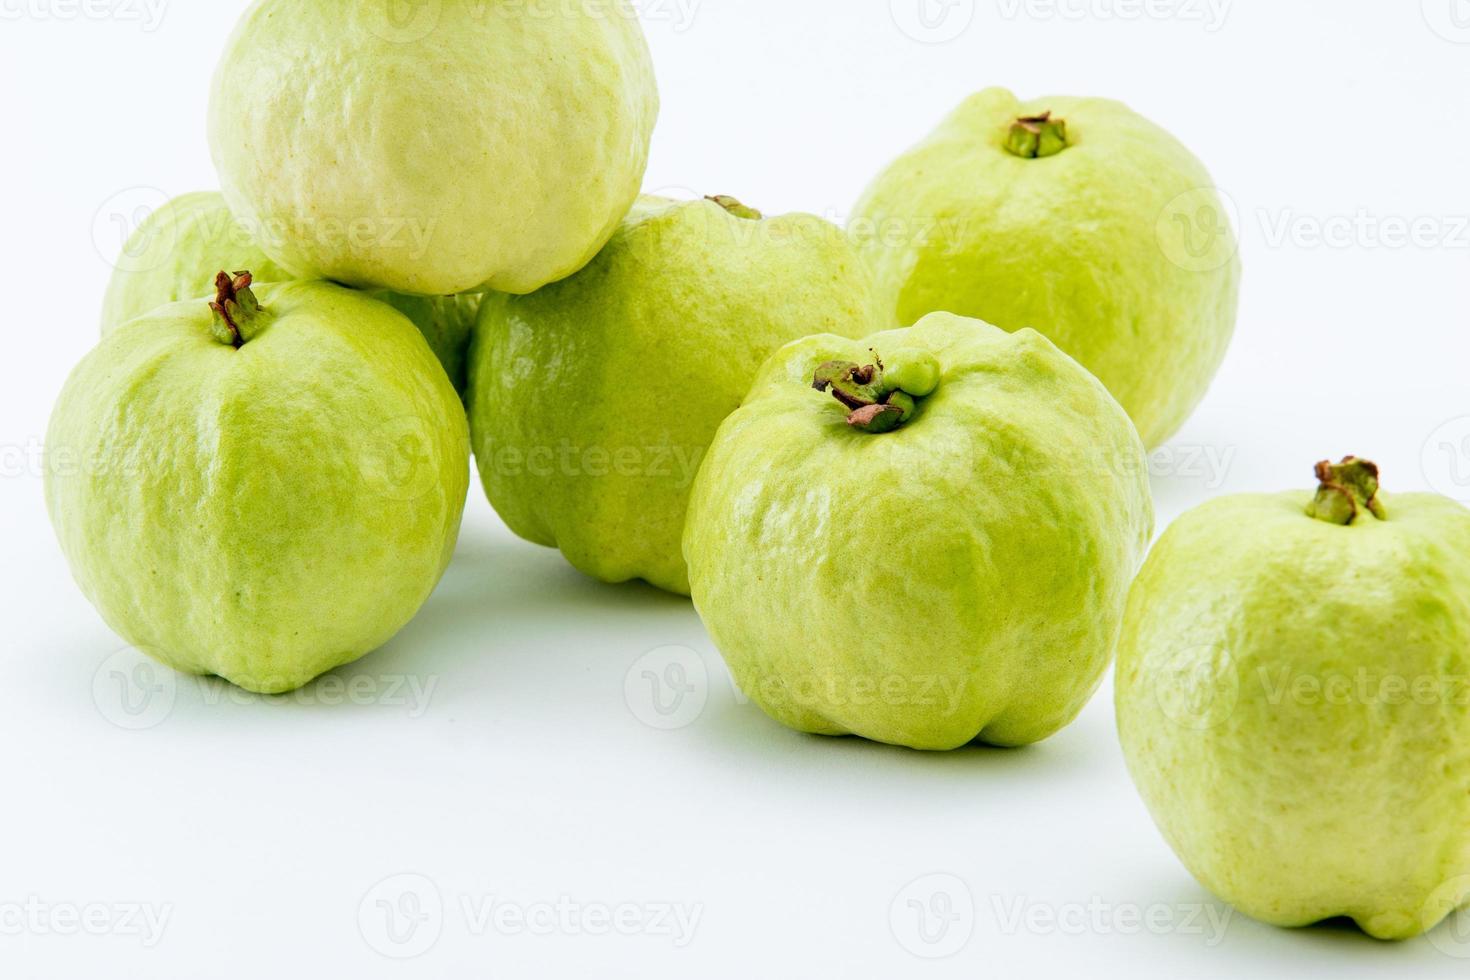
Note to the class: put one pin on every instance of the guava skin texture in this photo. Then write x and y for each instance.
(263, 513)
(960, 578)
(1115, 246)
(1292, 701)
(175, 253)
(592, 402)
(480, 144)
(447, 323)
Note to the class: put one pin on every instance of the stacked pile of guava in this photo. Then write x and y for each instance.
(899, 467)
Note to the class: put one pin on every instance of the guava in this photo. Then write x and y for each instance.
(923, 538)
(1292, 700)
(446, 323)
(174, 252)
(470, 146)
(593, 401)
(261, 488)
(1076, 217)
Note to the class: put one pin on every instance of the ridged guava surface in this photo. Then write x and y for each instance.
(265, 513)
(1118, 248)
(1294, 701)
(959, 578)
(437, 148)
(593, 401)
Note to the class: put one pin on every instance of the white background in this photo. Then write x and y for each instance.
(529, 769)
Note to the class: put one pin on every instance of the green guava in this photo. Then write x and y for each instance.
(262, 489)
(174, 254)
(1078, 218)
(924, 538)
(179, 247)
(446, 322)
(471, 146)
(592, 402)
(1293, 696)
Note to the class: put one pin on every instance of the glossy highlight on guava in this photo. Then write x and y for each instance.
(174, 254)
(1076, 217)
(924, 537)
(1293, 698)
(264, 487)
(471, 146)
(593, 401)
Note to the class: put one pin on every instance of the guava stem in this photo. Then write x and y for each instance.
(1345, 490)
(734, 206)
(236, 310)
(876, 418)
(874, 405)
(854, 386)
(1032, 137)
